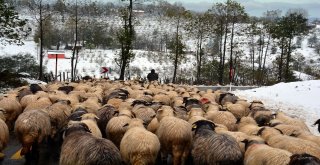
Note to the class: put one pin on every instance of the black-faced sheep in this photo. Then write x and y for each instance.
(258, 153)
(143, 112)
(4, 135)
(227, 97)
(175, 138)
(303, 159)
(34, 88)
(212, 148)
(31, 128)
(76, 114)
(139, 146)
(81, 148)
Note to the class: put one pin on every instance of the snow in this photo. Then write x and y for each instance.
(297, 99)
(303, 76)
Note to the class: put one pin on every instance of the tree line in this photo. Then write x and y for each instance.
(218, 33)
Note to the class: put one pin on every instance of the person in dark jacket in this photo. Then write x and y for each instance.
(153, 76)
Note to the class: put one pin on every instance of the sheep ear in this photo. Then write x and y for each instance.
(126, 125)
(260, 131)
(194, 127)
(96, 117)
(279, 131)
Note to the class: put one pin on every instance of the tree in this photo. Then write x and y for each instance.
(125, 37)
(12, 28)
(312, 41)
(177, 53)
(41, 10)
(199, 27)
(177, 14)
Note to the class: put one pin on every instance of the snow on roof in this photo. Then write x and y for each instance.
(297, 99)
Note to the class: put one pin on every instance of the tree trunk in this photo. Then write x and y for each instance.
(281, 59)
(41, 44)
(224, 53)
(177, 54)
(265, 57)
(231, 53)
(75, 46)
(288, 61)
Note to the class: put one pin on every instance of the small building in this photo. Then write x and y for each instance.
(53, 53)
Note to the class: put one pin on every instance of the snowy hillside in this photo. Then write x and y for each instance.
(297, 99)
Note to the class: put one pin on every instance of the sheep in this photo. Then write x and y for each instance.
(105, 113)
(292, 121)
(91, 105)
(81, 148)
(66, 89)
(307, 136)
(58, 113)
(13, 109)
(41, 103)
(34, 88)
(261, 116)
(212, 148)
(76, 114)
(23, 92)
(248, 126)
(226, 97)
(287, 129)
(163, 98)
(317, 122)
(175, 138)
(139, 146)
(115, 128)
(181, 112)
(4, 135)
(274, 138)
(143, 112)
(212, 107)
(306, 159)
(238, 110)
(26, 100)
(258, 153)
(256, 104)
(90, 120)
(222, 117)
(31, 128)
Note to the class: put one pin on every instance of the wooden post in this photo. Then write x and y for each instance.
(64, 76)
(60, 76)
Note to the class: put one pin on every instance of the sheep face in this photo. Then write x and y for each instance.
(203, 124)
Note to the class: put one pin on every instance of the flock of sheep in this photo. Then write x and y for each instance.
(104, 122)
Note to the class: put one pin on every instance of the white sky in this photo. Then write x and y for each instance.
(258, 7)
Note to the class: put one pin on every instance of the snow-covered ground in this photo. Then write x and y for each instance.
(297, 99)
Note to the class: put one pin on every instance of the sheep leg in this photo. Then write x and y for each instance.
(164, 157)
(177, 154)
(185, 155)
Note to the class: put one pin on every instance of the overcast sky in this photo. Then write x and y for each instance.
(258, 7)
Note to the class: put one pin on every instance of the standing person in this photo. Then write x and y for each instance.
(153, 76)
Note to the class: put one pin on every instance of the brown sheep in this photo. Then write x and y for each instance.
(212, 148)
(41, 103)
(31, 128)
(59, 113)
(306, 159)
(4, 135)
(248, 126)
(262, 116)
(258, 153)
(292, 121)
(28, 99)
(139, 146)
(144, 113)
(175, 138)
(105, 113)
(13, 109)
(90, 120)
(274, 138)
(238, 110)
(81, 148)
(115, 128)
(222, 117)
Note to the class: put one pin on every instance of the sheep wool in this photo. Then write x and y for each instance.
(4, 135)
(32, 126)
(212, 148)
(81, 148)
(262, 154)
(175, 138)
(139, 146)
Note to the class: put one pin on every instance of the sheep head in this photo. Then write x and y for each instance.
(3, 114)
(203, 124)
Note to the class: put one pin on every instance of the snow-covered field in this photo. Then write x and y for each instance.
(297, 99)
